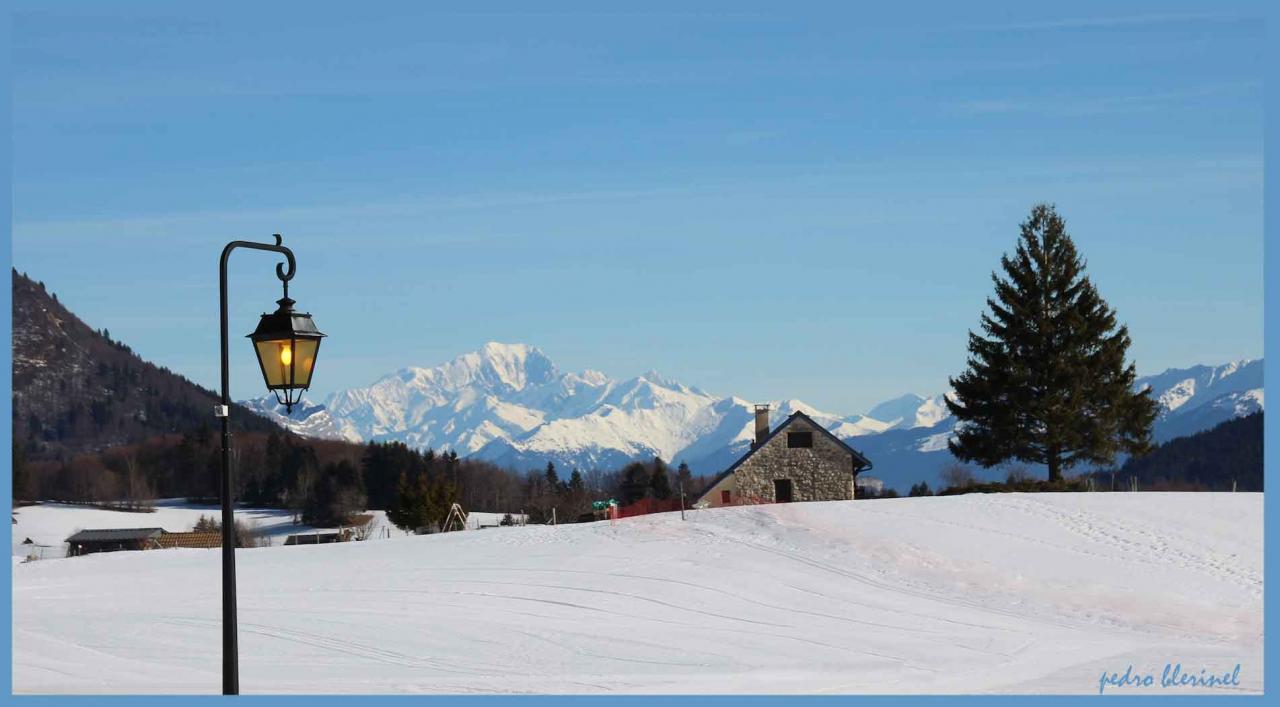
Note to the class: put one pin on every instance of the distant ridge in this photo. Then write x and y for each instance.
(509, 403)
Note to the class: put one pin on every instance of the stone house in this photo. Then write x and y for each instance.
(798, 461)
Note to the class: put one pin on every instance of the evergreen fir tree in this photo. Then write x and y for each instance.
(684, 477)
(1047, 381)
(451, 467)
(439, 496)
(409, 511)
(396, 511)
(20, 476)
(553, 479)
(659, 482)
(635, 483)
(577, 486)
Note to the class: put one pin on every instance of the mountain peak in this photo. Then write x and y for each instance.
(653, 376)
(897, 408)
(496, 366)
(785, 408)
(497, 349)
(591, 377)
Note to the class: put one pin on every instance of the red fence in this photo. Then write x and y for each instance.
(646, 506)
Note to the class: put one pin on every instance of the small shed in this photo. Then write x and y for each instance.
(87, 542)
(318, 538)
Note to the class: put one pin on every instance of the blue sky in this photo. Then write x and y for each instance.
(800, 201)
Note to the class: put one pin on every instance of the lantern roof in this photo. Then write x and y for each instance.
(284, 323)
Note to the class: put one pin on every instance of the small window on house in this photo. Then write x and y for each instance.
(799, 439)
(724, 496)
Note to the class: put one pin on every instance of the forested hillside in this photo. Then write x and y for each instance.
(1208, 461)
(77, 390)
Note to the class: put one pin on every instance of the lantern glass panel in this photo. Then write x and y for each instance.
(276, 357)
(304, 361)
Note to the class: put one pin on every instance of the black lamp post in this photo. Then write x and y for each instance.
(286, 343)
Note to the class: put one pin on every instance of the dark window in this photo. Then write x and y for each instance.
(799, 439)
(782, 490)
(724, 496)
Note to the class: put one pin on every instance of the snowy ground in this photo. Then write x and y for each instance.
(48, 525)
(979, 593)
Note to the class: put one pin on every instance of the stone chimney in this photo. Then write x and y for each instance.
(762, 424)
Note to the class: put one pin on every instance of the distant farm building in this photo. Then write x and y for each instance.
(87, 542)
(318, 538)
(798, 461)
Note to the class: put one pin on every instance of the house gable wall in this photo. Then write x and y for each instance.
(713, 496)
(823, 472)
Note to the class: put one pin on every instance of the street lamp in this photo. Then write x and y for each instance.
(286, 344)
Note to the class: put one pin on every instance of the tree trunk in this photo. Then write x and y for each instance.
(1055, 468)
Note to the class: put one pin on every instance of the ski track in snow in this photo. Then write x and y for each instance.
(980, 593)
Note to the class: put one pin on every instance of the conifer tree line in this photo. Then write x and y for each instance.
(1048, 381)
(656, 480)
(325, 482)
(1228, 457)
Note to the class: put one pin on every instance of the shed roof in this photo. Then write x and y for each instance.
(102, 535)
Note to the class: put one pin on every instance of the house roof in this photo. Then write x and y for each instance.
(115, 535)
(193, 539)
(857, 456)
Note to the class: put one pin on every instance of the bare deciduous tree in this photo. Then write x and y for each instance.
(957, 476)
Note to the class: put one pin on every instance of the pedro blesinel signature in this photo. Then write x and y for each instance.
(1172, 676)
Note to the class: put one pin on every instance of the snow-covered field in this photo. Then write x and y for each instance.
(49, 525)
(979, 593)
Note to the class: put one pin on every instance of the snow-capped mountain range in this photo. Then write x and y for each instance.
(510, 404)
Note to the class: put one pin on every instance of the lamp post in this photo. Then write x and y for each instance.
(286, 344)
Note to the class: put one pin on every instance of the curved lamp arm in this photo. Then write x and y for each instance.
(285, 275)
(281, 272)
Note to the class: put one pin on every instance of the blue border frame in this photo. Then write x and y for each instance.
(1271, 331)
(6, 321)
(1271, 244)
